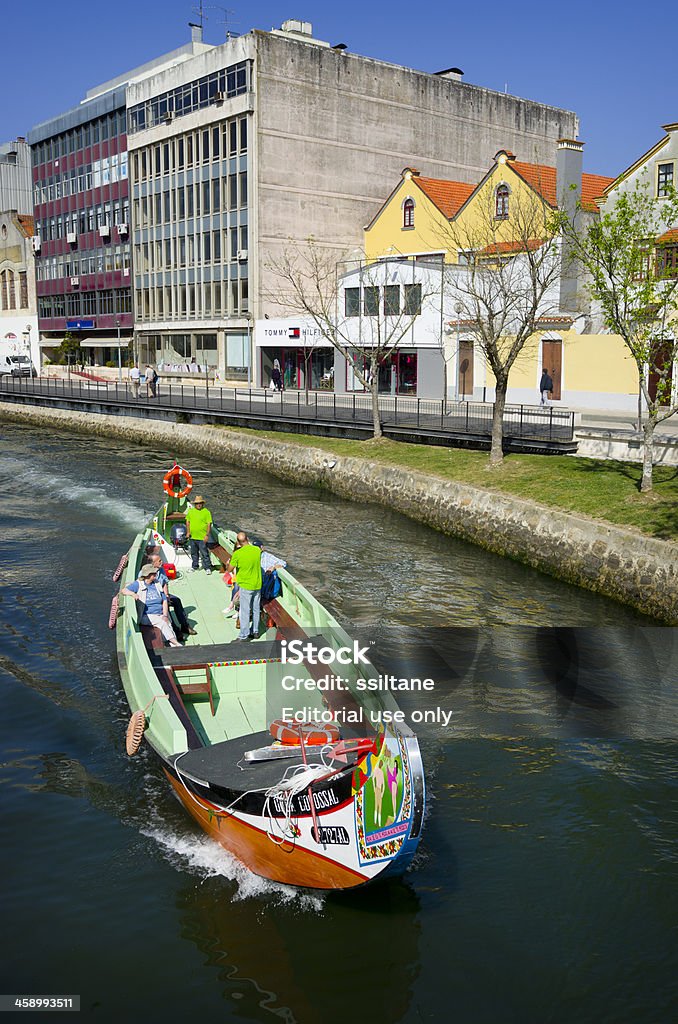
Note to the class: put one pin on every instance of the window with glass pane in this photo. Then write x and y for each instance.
(413, 299)
(664, 180)
(352, 301)
(392, 300)
(502, 202)
(371, 301)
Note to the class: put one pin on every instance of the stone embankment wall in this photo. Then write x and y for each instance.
(636, 570)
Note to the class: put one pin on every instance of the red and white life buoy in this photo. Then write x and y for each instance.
(171, 482)
(313, 735)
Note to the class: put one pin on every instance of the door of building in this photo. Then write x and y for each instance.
(663, 357)
(465, 382)
(552, 360)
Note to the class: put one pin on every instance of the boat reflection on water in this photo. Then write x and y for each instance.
(340, 958)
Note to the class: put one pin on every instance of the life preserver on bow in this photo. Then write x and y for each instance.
(313, 735)
(171, 482)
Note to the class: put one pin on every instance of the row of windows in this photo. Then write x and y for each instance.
(200, 147)
(81, 179)
(103, 303)
(186, 302)
(190, 250)
(98, 261)
(107, 127)
(79, 221)
(387, 298)
(214, 88)
(197, 200)
(8, 290)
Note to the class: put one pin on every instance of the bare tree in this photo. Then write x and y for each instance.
(510, 256)
(631, 257)
(365, 310)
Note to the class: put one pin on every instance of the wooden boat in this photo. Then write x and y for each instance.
(295, 768)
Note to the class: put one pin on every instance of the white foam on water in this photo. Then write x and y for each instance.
(65, 489)
(206, 858)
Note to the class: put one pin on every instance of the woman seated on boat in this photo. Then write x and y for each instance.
(150, 595)
(175, 603)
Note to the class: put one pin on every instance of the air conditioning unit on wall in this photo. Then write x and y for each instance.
(71, 237)
(242, 255)
(75, 282)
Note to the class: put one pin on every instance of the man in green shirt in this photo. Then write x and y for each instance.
(246, 560)
(199, 527)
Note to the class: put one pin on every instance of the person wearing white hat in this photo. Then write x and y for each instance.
(153, 601)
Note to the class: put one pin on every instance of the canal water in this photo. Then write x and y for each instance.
(545, 885)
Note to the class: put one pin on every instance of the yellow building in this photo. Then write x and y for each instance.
(461, 221)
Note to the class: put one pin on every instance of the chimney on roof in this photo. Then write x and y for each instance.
(456, 74)
(569, 163)
(196, 32)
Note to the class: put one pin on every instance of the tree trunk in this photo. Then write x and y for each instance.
(497, 451)
(648, 459)
(376, 418)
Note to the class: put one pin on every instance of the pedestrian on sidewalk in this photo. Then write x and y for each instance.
(135, 378)
(277, 376)
(545, 386)
(151, 380)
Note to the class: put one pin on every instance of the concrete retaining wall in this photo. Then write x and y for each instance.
(636, 570)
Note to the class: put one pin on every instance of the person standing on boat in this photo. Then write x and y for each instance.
(175, 602)
(246, 559)
(153, 600)
(199, 527)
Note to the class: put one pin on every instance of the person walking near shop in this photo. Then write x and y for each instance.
(151, 380)
(246, 559)
(545, 386)
(199, 527)
(135, 379)
(277, 376)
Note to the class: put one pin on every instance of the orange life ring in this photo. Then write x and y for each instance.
(312, 734)
(172, 480)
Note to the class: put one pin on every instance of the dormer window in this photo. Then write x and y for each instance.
(408, 213)
(501, 200)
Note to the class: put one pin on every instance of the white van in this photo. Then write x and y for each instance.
(17, 366)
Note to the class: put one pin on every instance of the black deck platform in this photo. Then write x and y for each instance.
(223, 764)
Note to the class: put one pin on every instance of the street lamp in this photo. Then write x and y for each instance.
(117, 324)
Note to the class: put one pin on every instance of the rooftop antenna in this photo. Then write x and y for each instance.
(200, 11)
(225, 20)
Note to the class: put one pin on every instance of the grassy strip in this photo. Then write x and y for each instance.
(603, 490)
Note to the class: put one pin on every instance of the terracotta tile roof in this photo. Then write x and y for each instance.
(592, 188)
(448, 196)
(497, 248)
(669, 236)
(26, 224)
(543, 180)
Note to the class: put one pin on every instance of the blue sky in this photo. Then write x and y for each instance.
(612, 65)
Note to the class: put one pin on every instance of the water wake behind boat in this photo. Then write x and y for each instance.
(205, 858)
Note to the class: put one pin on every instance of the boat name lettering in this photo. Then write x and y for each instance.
(332, 835)
(294, 652)
(322, 801)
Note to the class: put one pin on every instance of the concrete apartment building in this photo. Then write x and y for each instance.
(268, 139)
